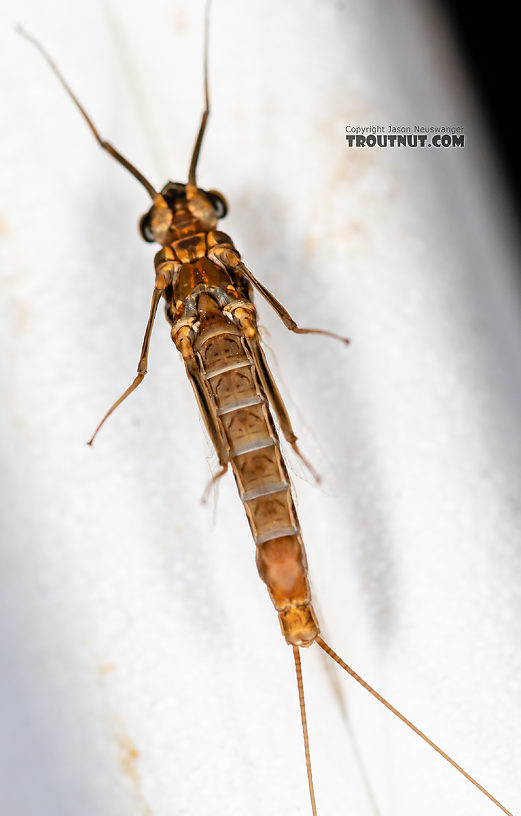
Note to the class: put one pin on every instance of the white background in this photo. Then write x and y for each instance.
(143, 671)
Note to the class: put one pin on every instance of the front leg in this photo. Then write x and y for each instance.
(244, 316)
(229, 258)
(163, 280)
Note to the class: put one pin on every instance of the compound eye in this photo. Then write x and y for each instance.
(218, 202)
(145, 228)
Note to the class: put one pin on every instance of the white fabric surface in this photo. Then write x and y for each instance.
(143, 671)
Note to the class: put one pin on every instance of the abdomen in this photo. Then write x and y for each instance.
(260, 473)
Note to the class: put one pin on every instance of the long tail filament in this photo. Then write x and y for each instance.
(303, 719)
(323, 645)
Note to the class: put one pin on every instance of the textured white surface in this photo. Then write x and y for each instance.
(143, 671)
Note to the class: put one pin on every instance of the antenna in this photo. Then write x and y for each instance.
(206, 112)
(105, 145)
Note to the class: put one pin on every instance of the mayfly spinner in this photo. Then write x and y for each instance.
(208, 292)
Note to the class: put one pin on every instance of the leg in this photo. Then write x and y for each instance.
(143, 360)
(246, 322)
(230, 258)
(184, 342)
(281, 311)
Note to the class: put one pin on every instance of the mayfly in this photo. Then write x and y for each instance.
(208, 292)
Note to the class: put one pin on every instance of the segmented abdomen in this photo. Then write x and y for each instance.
(260, 473)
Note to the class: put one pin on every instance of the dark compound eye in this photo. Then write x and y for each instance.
(218, 202)
(145, 229)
